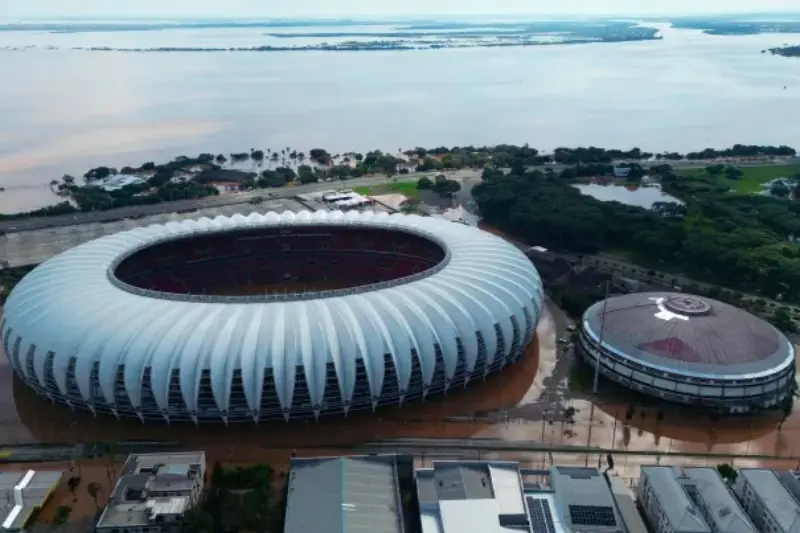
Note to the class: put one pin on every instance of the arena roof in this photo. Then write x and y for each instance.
(71, 310)
(688, 334)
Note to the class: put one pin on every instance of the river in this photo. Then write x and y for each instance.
(66, 111)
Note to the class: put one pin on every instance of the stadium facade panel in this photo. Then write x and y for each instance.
(689, 350)
(162, 322)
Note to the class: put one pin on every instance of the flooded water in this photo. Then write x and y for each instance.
(627, 194)
(86, 109)
(525, 404)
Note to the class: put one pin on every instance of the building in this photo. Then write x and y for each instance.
(626, 505)
(770, 504)
(346, 200)
(349, 494)
(494, 497)
(689, 350)
(586, 501)
(21, 493)
(457, 496)
(271, 316)
(385, 494)
(153, 492)
(622, 172)
(690, 500)
(666, 504)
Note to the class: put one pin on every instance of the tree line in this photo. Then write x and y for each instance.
(744, 242)
(587, 161)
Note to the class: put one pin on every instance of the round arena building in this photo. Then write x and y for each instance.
(271, 316)
(689, 350)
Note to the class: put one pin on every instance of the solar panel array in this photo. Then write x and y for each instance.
(540, 516)
(592, 515)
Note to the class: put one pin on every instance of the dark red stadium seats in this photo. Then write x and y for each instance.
(265, 257)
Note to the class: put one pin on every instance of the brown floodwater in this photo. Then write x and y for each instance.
(525, 402)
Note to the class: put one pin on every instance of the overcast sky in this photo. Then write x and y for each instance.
(350, 8)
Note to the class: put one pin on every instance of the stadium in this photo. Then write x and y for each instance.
(271, 316)
(689, 350)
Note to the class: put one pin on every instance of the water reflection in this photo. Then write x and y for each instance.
(642, 196)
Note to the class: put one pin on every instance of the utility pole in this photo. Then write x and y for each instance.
(600, 340)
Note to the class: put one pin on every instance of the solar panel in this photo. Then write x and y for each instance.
(592, 515)
(540, 517)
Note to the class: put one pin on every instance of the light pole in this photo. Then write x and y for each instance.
(600, 340)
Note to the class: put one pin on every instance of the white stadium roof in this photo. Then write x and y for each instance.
(71, 317)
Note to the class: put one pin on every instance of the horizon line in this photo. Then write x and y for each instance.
(395, 16)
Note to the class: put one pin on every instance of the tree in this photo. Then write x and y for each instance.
(320, 156)
(217, 476)
(94, 490)
(783, 320)
(786, 409)
(733, 173)
(305, 174)
(62, 514)
(424, 183)
(728, 473)
(445, 187)
(256, 510)
(257, 155)
(197, 521)
(779, 190)
(221, 159)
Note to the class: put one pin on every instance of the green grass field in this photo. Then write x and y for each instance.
(753, 176)
(407, 188)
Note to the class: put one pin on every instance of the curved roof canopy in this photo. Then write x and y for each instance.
(688, 334)
(73, 307)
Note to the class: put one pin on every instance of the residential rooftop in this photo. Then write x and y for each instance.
(585, 498)
(720, 505)
(21, 493)
(457, 496)
(776, 498)
(680, 511)
(153, 485)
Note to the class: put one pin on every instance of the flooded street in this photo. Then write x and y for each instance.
(527, 403)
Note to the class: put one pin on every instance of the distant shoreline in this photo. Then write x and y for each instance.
(358, 47)
(429, 35)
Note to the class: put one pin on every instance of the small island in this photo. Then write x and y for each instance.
(715, 26)
(785, 51)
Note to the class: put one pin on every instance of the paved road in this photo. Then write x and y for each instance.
(208, 202)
